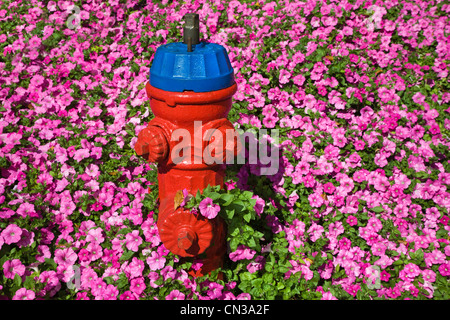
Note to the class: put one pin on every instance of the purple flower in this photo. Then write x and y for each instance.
(208, 209)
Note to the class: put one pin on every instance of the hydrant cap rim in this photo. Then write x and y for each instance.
(206, 68)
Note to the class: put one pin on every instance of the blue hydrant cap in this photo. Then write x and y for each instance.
(205, 68)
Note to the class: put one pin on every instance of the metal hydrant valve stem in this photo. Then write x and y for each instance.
(190, 87)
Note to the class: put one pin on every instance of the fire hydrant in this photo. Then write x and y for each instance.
(190, 88)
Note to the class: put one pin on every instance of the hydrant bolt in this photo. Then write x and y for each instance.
(186, 239)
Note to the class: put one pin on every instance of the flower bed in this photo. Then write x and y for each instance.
(358, 209)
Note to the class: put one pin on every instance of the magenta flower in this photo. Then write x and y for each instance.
(329, 188)
(351, 220)
(260, 204)
(208, 209)
(128, 295)
(84, 255)
(137, 285)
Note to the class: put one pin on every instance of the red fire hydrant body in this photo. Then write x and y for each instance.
(181, 164)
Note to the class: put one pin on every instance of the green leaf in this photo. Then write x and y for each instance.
(126, 255)
(247, 194)
(230, 213)
(228, 198)
(214, 195)
(50, 262)
(17, 280)
(29, 282)
(122, 281)
(124, 231)
(377, 209)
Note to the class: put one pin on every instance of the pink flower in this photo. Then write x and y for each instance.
(336, 228)
(134, 268)
(214, 290)
(241, 253)
(95, 250)
(81, 154)
(34, 42)
(412, 270)
(67, 207)
(133, 240)
(244, 296)
(11, 234)
(329, 187)
(374, 224)
(128, 295)
(24, 294)
(315, 200)
(434, 257)
(339, 140)
(378, 249)
(429, 275)
(137, 285)
(98, 287)
(353, 289)
(444, 269)
(345, 244)
(310, 101)
(384, 276)
(95, 235)
(155, 261)
(13, 267)
(65, 256)
(298, 57)
(208, 209)
(175, 295)
(351, 220)
(284, 76)
(110, 292)
(26, 209)
(84, 255)
(298, 81)
(315, 231)
(92, 170)
(328, 296)
(186, 197)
